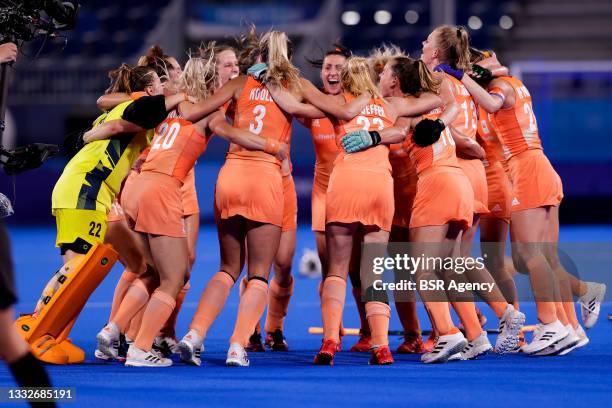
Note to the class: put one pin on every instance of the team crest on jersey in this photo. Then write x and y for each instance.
(316, 123)
(515, 201)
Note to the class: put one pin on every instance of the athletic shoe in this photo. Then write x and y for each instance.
(477, 347)
(191, 348)
(237, 356)
(255, 344)
(455, 357)
(326, 353)
(124, 344)
(276, 341)
(100, 355)
(429, 343)
(167, 346)
(545, 335)
(510, 326)
(519, 346)
(590, 303)
(363, 345)
(444, 347)
(381, 355)
(584, 340)
(108, 341)
(563, 346)
(141, 358)
(413, 344)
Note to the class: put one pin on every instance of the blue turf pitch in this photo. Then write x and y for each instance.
(583, 378)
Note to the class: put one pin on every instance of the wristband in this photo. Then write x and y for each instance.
(272, 146)
(375, 137)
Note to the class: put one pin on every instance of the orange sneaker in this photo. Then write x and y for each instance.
(363, 345)
(429, 343)
(413, 344)
(381, 356)
(326, 354)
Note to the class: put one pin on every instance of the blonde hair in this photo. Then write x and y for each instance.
(275, 50)
(199, 77)
(379, 57)
(356, 78)
(454, 45)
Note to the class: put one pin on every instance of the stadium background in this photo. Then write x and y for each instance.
(559, 47)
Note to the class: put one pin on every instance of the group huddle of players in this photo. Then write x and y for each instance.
(423, 150)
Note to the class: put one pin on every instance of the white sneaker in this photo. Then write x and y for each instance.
(563, 346)
(584, 340)
(167, 346)
(140, 358)
(444, 347)
(455, 357)
(477, 347)
(510, 326)
(237, 356)
(191, 348)
(545, 335)
(100, 355)
(590, 303)
(108, 341)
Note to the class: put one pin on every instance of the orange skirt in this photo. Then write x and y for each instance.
(535, 183)
(290, 204)
(153, 205)
(252, 189)
(319, 192)
(404, 192)
(500, 192)
(189, 195)
(356, 195)
(475, 172)
(444, 194)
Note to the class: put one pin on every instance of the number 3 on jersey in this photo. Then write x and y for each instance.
(168, 134)
(259, 111)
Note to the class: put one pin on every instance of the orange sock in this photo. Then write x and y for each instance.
(211, 302)
(332, 306)
(135, 298)
(135, 323)
(365, 328)
(157, 312)
(378, 314)
(252, 304)
(169, 328)
(127, 278)
(278, 305)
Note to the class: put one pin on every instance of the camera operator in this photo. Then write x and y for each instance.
(26, 369)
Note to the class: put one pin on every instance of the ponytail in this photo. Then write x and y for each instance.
(276, 49)
(454, 45)
(157, 60)
(126, 79)
(248, 44)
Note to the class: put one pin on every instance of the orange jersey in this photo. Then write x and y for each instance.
(441, 153)
(175, 147)
(402, 165)
(487, 138)
(324, 141)
(516, 127)
(467, 121)
(373, 117)
(257, 112)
